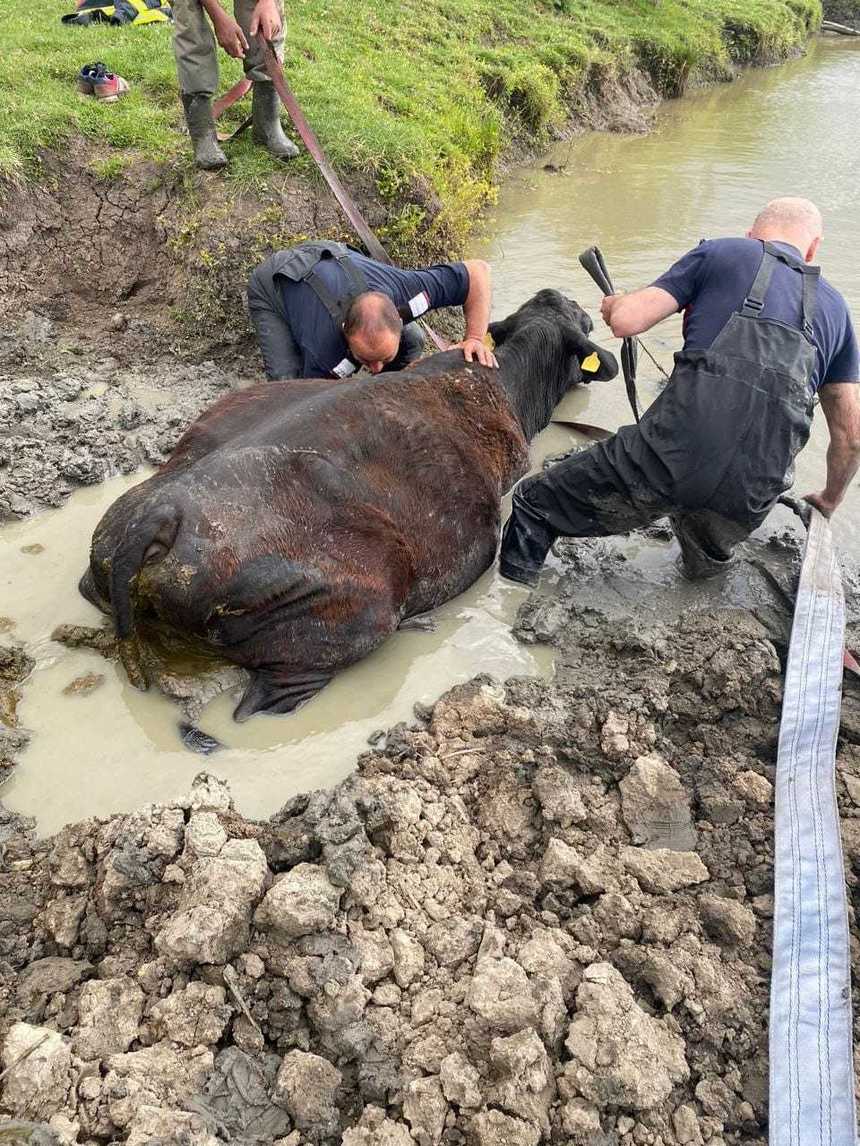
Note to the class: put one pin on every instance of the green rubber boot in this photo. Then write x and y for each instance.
(266, 119)
(201, 128)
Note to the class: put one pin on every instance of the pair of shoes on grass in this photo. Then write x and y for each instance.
(96, 80)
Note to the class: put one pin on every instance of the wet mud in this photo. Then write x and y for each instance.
(540, 911)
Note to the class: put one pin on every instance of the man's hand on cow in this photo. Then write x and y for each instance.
(231, 37)
(474, 349)
(822, 503)
(266, 19)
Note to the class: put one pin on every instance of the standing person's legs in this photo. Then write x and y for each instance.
(266, 105)
(197, 68)
(282, 357)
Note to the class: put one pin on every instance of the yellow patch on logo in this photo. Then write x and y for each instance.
(591, 364)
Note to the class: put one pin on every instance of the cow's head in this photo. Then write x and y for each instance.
(544, 349)
(552, 306)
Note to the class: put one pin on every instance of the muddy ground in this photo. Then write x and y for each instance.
(540, 912)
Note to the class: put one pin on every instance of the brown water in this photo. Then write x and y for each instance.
(712, 161)
(715, 158)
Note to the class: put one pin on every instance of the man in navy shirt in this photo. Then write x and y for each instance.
(763, 335)
(323, 310)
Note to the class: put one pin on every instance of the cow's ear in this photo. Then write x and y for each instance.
(499, 331)
(596, 364)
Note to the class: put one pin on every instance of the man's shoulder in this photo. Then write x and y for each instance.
(730, 249)
(832, 299)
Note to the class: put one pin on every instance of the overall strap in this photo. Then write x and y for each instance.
(811, 276)
(753, 303)
(336, 306)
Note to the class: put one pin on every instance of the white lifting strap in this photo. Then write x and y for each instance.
(811, 1060)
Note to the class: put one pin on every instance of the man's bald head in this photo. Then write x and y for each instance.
(793, 220)
(372, 327)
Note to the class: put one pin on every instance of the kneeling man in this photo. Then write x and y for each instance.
(323, 310)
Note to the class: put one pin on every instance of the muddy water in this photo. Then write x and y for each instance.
(116, 748)
(715, 158)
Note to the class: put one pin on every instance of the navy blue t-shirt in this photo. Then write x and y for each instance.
(711, 282)
(315, 331)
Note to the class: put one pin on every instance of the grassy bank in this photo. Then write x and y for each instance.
(414, 94)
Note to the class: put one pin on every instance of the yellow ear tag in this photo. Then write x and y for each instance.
(591, 364)
(488, 341)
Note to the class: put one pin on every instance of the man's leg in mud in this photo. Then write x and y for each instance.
(281, 355)
(707, 542)
(583, 496)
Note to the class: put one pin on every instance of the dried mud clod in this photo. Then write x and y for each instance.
(540, 913)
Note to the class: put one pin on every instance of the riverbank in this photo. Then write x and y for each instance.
(541, 911)
(417, 107)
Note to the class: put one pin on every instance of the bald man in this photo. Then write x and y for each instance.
(324, 310)
(764, 337)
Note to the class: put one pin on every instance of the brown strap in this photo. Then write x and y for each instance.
(237, 91)
(595, 433)
(350, 208)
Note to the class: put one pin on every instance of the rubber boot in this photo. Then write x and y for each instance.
(266, 119)
(201, 128)
(526, 540)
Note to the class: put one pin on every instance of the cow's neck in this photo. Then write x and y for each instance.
(534, 372)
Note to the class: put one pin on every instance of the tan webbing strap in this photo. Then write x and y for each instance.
(346, 201)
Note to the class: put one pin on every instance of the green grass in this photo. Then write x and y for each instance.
(421, 96)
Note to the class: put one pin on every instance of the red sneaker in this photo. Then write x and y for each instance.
(109, 87)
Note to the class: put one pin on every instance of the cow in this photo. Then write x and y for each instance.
(298, 524)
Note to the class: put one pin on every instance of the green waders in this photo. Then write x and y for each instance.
(196, 51)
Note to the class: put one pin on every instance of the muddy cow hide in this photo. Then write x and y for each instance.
(297, 524)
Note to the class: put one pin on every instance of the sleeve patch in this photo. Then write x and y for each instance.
(344, 368)
(419, 305)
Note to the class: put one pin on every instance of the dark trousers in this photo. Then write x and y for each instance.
(595, 494)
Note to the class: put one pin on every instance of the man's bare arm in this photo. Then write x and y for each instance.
(629, 314)
(476, 311)
(840, 402)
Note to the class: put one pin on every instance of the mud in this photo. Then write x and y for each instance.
(72, 414)
(539, 912)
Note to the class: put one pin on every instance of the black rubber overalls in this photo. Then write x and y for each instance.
(714, 451)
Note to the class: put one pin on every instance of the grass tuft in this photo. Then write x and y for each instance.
(413, 95)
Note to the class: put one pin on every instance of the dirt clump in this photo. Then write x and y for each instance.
(541, 912)
(15, 666)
